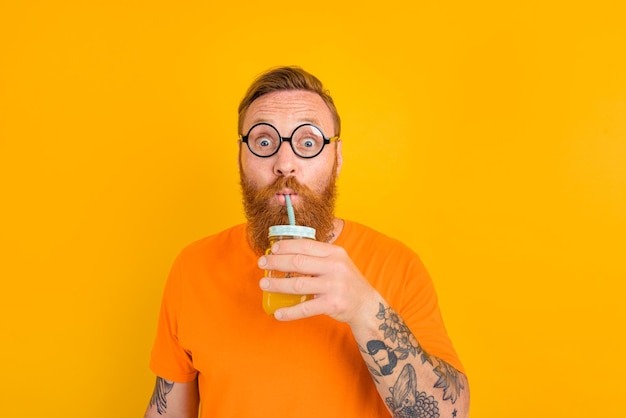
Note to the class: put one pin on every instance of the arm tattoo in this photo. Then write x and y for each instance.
(398, 343)
(448, 381)
(161, 389)
(407, 402)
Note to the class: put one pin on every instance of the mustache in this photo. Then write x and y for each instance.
(313, 209)
(282, 183)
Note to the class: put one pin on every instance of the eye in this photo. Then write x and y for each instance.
(263, 142)
(308, 140)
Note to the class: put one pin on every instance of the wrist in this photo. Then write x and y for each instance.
(364, 323)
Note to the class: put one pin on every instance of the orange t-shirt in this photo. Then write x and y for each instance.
(248, 364)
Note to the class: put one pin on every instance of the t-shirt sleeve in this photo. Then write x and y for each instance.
(169, 359)
(420, 311)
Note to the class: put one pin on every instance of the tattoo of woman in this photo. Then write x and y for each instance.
(161, 389)
(406, 401)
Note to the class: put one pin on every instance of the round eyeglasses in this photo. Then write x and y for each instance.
(307, 140)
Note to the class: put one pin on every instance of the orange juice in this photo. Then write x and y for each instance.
(271, 300)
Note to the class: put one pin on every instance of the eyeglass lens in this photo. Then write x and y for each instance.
(306, 140)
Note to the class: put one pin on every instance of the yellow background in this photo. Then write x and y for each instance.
(490, 136)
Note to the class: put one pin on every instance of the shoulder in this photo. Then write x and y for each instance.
(391, 266)
(358, 236)
(231, 238)
(235, 233)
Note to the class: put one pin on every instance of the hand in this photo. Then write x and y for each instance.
(340, 289)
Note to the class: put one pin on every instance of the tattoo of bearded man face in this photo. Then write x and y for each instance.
(383, 356)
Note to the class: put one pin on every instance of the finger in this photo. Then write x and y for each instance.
(301, 285)
(294, 263)
(306, 309)
(302, 246)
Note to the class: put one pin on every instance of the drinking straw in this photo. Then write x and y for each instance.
(290, 215)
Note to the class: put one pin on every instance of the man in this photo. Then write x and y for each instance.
(217, 350)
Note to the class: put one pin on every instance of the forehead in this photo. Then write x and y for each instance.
(288, 109)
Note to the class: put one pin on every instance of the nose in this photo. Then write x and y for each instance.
(286, 161)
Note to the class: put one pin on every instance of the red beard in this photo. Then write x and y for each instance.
(315, 210)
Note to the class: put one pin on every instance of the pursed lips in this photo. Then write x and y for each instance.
(280, 196)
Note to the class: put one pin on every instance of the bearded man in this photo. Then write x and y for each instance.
(217, 352)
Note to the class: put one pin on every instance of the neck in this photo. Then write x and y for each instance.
(337, 228)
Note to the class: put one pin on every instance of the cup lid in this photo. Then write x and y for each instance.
(292, 230)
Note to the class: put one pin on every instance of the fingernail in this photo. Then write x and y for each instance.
(278, 315)
(275, 248)
(262, 261)
(264, 283)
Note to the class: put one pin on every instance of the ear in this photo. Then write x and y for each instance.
(239, 154)
(339, 156)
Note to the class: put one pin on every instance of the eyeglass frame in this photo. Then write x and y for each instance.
(327, 140)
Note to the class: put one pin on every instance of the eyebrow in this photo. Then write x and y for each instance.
(312, 121)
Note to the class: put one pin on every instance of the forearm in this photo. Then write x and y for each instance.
(414, 377)
(174, 400)
(410, 381)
